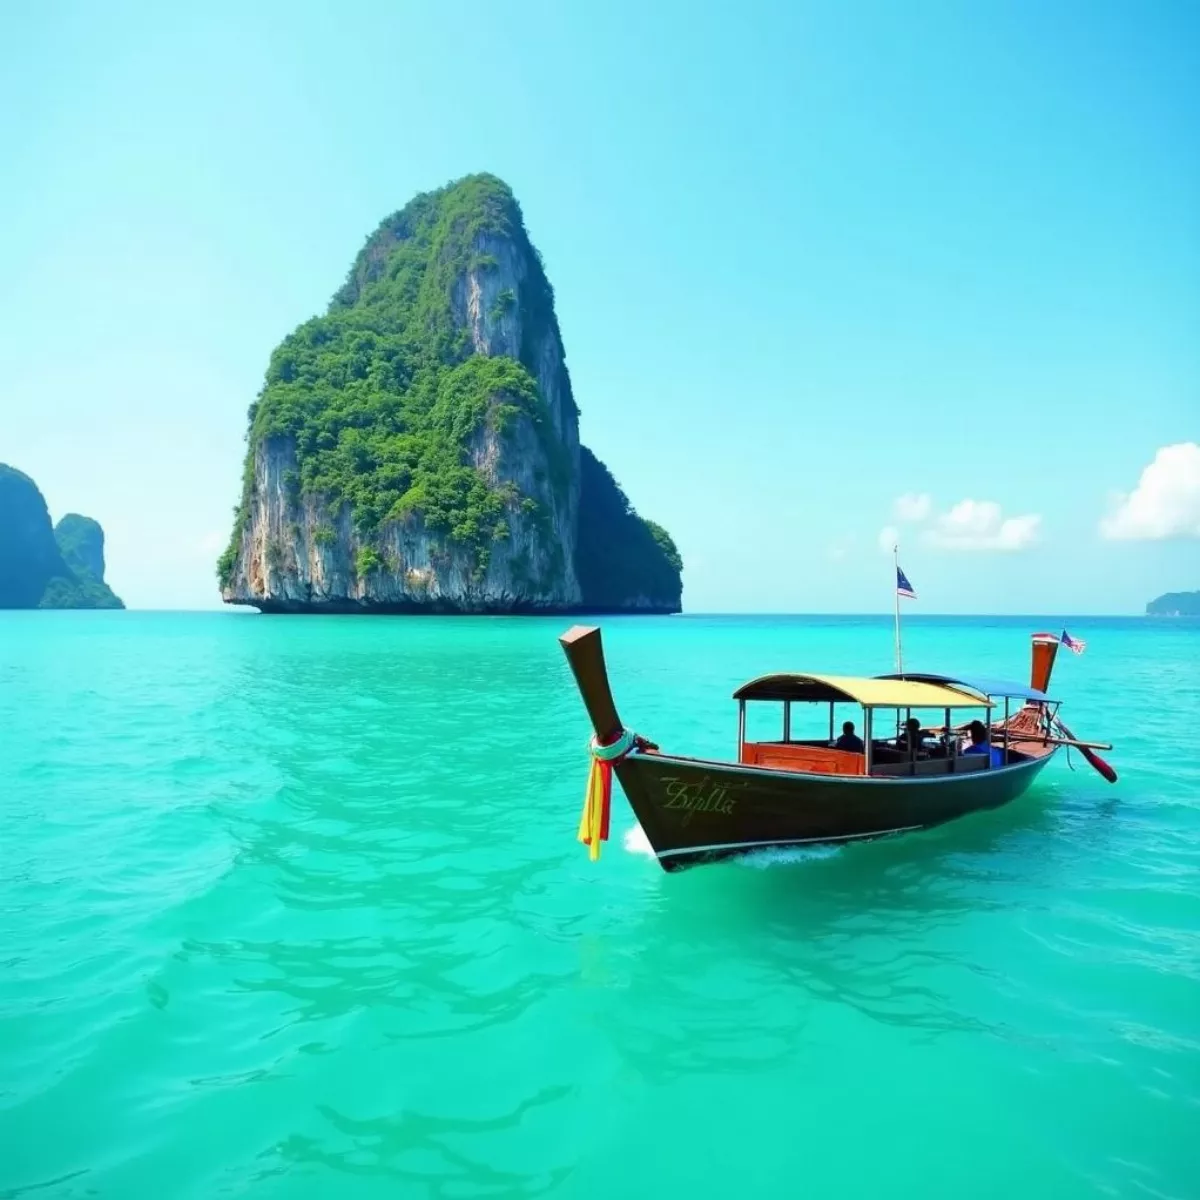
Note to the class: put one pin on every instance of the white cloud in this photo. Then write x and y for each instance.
(981, 525)
(1166, 501)
(912, 506)
(889, 535)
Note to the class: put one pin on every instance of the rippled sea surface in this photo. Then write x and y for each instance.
(293, 908)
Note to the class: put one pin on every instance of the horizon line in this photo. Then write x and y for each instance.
(241, 610)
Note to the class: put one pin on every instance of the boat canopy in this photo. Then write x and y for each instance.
(870, 693)
(984, 685)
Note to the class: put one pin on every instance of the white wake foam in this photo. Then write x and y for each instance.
(635, 841)
(779, 856)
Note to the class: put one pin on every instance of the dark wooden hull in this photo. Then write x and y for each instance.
(694, 811)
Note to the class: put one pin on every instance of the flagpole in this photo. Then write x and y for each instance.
(896, 591)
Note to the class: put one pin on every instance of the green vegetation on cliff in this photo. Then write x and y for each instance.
(622, 559)
(384, 401)
(383, 393)
(78, 591)
(81, 544)
(43, 566)
(1175, 604)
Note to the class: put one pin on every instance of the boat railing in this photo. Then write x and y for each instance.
(931, 766)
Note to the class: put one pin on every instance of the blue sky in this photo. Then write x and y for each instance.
(808, 259)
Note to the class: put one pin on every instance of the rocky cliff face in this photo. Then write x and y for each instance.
(42, 566)
(417, 448)
(294, 556)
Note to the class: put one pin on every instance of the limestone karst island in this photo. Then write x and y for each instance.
(417, 447)
(44, 565)
(1175, 604)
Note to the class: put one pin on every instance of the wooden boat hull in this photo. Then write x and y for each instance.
(695, 811)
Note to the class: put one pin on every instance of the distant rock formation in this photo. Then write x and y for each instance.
(29, 555)
(43, 566)
(81, 541)
(1175, 604)
(417, 447)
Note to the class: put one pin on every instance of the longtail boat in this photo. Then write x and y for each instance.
(809, 791)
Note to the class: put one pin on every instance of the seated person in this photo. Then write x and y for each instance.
(849, 739)
(979, 744)
(911, 739)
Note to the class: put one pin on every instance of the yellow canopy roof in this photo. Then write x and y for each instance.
(870, 693)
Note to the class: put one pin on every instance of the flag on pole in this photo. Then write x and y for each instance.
(1076, 644)
(903, 587)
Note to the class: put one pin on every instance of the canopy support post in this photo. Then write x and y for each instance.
(741, 728)
(787, 721)
(912, 742)
(867, 740)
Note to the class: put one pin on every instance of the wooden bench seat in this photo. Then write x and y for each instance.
(816, 760)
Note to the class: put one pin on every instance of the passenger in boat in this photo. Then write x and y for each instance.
(849, 739)
(911, 738)
(979, 744)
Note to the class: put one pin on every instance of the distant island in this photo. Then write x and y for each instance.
(1175, 604)
(416, 448)
(45, 566)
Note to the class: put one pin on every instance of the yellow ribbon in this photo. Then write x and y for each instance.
(591, 824)
(597, 797)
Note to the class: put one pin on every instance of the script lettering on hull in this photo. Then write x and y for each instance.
(703, 795)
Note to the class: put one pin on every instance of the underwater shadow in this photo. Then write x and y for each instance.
(416, 1149)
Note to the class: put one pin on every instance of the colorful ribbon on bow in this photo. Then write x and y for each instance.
(597, 798)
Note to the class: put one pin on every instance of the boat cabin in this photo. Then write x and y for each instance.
(893, 742)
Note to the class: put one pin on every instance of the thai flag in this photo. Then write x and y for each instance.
(903, 587)
(1076, 644)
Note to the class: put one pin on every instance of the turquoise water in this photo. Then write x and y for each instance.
(293, 908)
